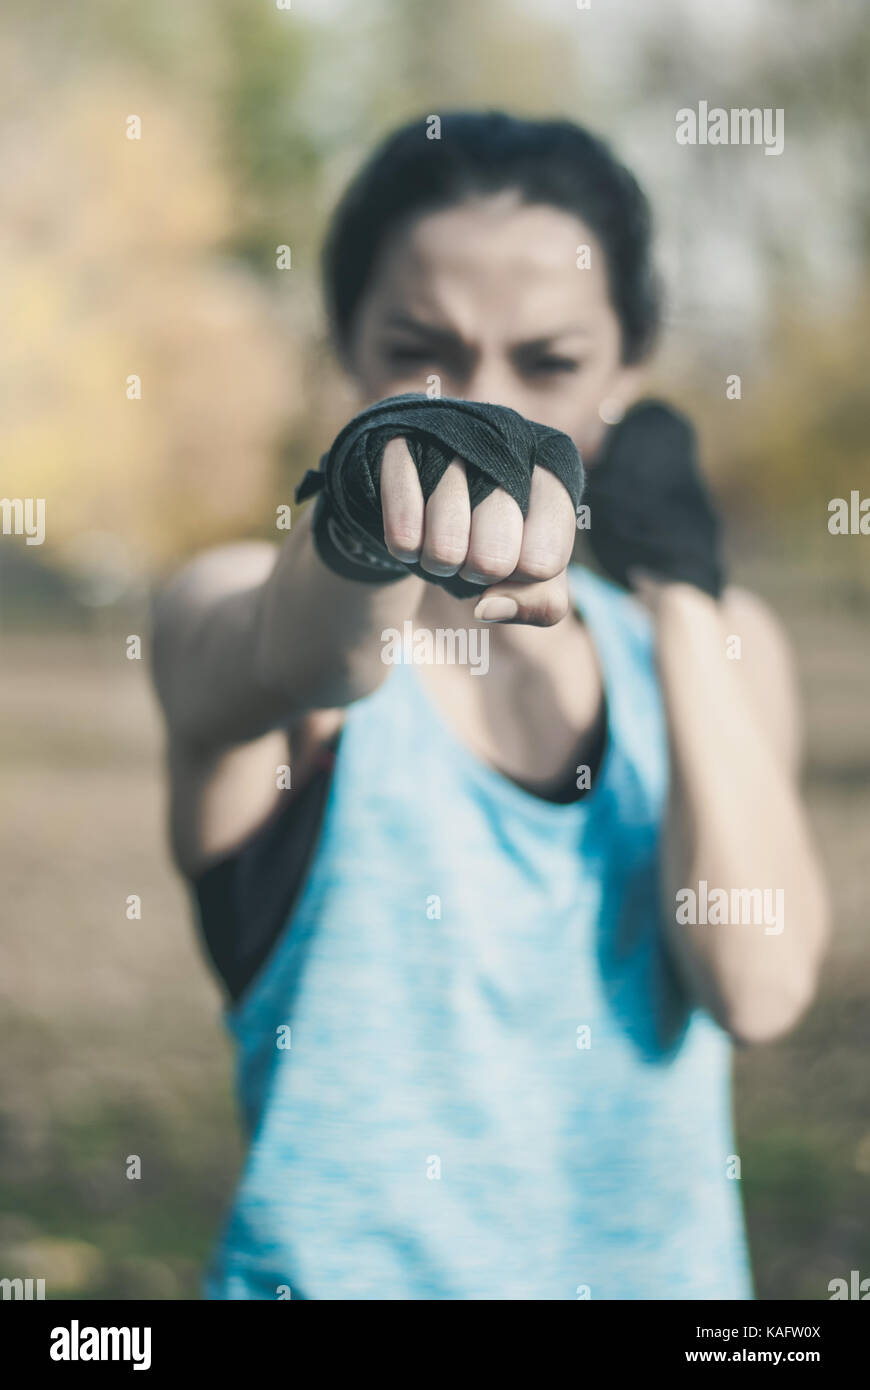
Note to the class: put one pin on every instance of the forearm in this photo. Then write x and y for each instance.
(319, 636)
(735, 822)
(242, 649)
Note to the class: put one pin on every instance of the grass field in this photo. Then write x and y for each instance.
(110, 1035)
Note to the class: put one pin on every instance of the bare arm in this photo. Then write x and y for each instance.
(242, 644)
(256, 649)
(256, 644)
(736, 819)
(249, 637)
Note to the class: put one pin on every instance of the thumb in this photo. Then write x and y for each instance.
(541, 603)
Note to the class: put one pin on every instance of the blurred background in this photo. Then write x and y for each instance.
(158, 258)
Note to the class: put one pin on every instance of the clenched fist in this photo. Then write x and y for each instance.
(465, 494)
(492, 544)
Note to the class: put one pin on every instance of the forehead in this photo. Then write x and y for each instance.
(497, 262)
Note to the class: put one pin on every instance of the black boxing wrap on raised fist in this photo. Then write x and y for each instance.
(499, 447)
(649, 506)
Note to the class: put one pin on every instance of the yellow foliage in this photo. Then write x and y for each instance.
(114, 270)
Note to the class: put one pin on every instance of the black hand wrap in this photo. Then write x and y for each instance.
(499, 448)
(649, 505)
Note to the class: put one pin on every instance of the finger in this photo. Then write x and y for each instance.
(549, 530)
(541, 604)
(401, 502)
(495, 540)
(447, 523)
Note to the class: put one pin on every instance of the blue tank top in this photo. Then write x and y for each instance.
(467, 1070)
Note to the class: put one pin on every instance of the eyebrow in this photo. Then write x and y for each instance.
(572, 330)
(406, 321)
(416, 326)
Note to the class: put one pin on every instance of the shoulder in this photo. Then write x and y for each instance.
(180, 603)
(216, 572)
(761, 653)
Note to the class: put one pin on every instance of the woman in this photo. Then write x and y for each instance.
(484, 1014)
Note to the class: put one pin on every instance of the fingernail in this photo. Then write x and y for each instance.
(440, 571)
(494, 610)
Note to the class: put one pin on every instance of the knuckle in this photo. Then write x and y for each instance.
(538, 565)
(490, 564)
(403, 534)
(446, 550)
(551, 610)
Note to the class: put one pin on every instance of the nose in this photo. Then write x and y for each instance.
(491, 381)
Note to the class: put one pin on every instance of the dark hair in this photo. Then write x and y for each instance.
(548, 161)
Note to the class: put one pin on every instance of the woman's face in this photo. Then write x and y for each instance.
(488, 298)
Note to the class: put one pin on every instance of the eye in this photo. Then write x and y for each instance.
(556, 364)
(409, 354)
